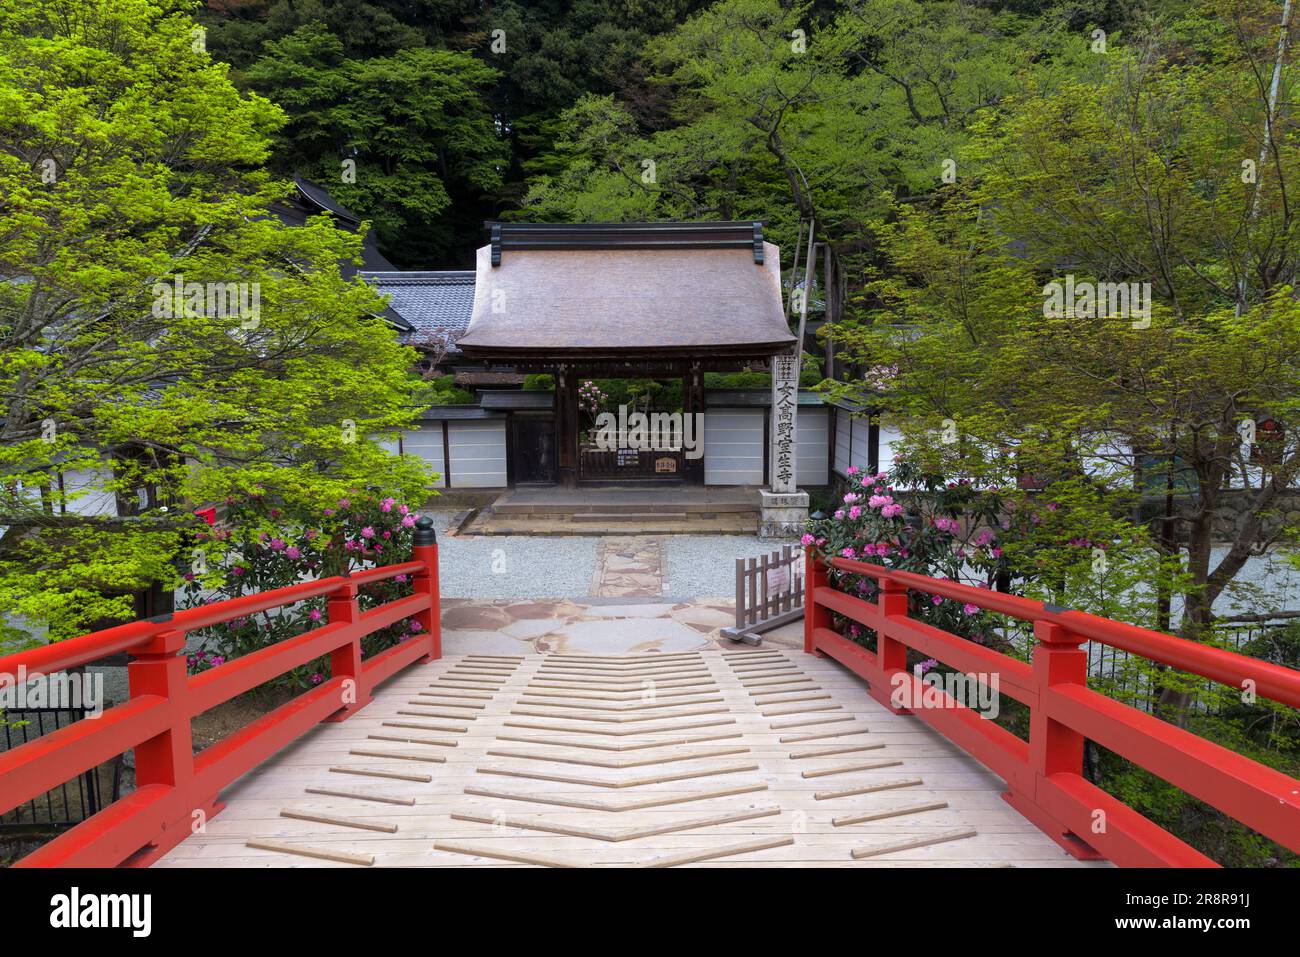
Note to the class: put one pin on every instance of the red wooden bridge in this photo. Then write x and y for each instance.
(643, 732)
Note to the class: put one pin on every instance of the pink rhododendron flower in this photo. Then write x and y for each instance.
(936, 599)
(970, 609)
(850, 498)
(314, 614)
(368, 532)
(880, 501)
(923, 666)
(851, 470)
(892, 510)
(839, 515)
(317, 679)
(847, 552)
(408, 521)
(387, 504)
(806, 540)
(293, 551)
(855, 512)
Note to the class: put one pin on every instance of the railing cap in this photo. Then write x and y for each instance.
(424, 533)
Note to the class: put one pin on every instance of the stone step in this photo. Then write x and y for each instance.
(627, 516)
(504, 506)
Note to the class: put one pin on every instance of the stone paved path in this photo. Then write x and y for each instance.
(504, 627)
(630, 568)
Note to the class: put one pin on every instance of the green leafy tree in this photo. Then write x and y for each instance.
(131, 171)
(393, 137)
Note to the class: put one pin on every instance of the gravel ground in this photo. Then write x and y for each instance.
(516, 566)
(699, 566)
(704, 566)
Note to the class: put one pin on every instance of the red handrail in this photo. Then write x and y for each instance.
(1044, 775)
(177, 791)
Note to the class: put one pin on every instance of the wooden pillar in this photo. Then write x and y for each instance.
(692, 405)
(566, 421)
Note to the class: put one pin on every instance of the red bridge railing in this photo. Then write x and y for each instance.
(1044, 775)
(177, 790)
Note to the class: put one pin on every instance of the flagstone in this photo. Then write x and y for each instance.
(478, 642)
(705, 616)
(647, 610)
(529, 628)
(625, 635)
(479, 616)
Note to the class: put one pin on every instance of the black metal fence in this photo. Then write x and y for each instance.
(70, 803)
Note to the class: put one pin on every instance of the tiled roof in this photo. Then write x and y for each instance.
(434, 304)
(601, 298)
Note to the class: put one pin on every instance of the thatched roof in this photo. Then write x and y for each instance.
(648, 290)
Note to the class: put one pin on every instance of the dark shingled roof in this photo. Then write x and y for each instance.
(433, 304)
(311, 199)
(599, 295)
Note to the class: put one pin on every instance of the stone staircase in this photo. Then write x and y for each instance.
(620, 510)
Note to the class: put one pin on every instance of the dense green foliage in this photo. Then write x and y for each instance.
(130, 163)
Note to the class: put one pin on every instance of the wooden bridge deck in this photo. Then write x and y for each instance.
(742, 758)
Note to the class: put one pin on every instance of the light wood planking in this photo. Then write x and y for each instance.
(661, 790)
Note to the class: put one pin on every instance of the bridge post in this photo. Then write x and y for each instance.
(891, 654)
(816, 575)
(159, 668)
(425, 549)
(1054, 747)
(345, 661)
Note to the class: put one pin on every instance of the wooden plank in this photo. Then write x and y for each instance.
(617, 695)
(619, 732)
(620, 762)
(859, 853)
(626, 783)
(616, 834)
(405, 740)
(357, 796)
(827, 752)
(468, 705)
(778, 712)
(320, 853)
(628, 659)
(596, 803)
(424, 727)
(318, 818)
(605, 746)
(817, 736)
(433, 758)
(790, 699)
(771, 682)
(436, 714)
(869, 789)
(848, 768)
(696, 857)
(609, 718)
(782, 725)
(888, 813)
(637, 706)
(514, 856)
(391, 775)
